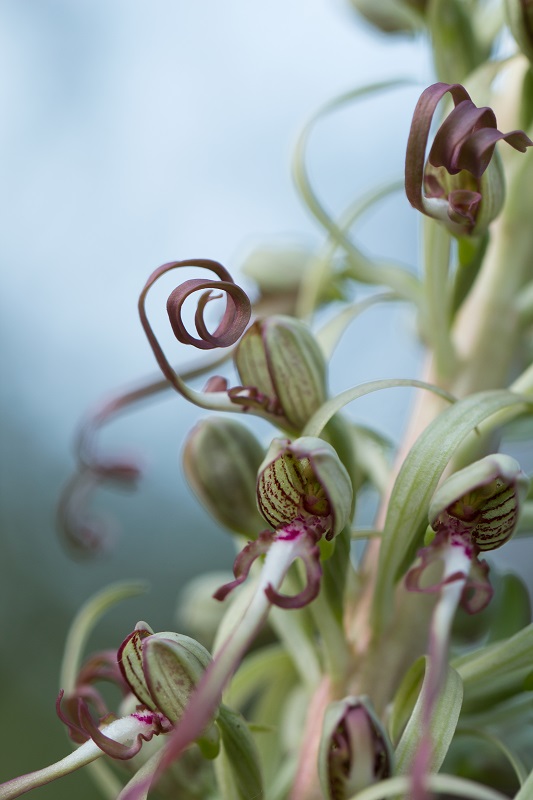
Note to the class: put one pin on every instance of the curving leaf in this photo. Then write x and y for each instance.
(444, 720)
(416, 482)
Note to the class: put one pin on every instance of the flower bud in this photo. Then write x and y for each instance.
(220, 459)
(482, 500)
(162, 670)
(304, 478)
(461, 184)
(393, 16)
(354, 750)
(520, 20)
(282, 370)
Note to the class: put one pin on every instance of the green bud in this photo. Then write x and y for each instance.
(304, 478)
(520, 20)
(162, 670)
(393, 16)
(355, 751)
(482, 500)
(278, 270)
(220, 459)
(282, 366)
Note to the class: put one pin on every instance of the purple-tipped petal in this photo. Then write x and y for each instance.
(244, 561)
(415, 158)
(309, 552)
(478, 591)
(455, 131)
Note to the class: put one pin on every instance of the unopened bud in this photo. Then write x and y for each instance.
(482, 500)
(355, 751)
(393, 16)
(304, 478)
(220, 459)
(162, 670)
(282, 370)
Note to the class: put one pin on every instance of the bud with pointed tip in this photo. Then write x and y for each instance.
(483, 500)
(282, 369)
(355, 751)
(162, 670)
(304, 479)
(220, 460)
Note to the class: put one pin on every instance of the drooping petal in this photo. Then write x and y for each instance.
(418, 137)
(244, 561)
(309, 553)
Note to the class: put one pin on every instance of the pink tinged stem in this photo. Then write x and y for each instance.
(125, 731)
(208, 694)
(457, 559)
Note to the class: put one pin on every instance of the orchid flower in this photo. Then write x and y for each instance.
(461, 183)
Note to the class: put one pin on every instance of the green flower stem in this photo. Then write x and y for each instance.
(456, 560)
(289, 626)
(487, 330)
(335, 646)
(436, 319)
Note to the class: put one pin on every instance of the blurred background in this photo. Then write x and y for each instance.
(135, 133)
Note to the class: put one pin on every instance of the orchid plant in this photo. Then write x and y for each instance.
(403, 669)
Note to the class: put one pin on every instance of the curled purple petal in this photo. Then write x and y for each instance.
(309, 552)
(418, 137)
(477, 591)
(244, 561)
(455, 131)
(234, 321)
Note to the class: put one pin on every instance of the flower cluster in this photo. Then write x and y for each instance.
(340, 668)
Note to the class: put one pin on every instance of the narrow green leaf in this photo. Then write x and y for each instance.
(443, 724)
(364, 269)
(321, 417)
(499, 668)
(526, 792)
(512, 758)
(416, 482)
(84, 622)
(405, 699)
(447, 784)
(242, 755)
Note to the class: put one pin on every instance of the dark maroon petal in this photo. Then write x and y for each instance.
(231, 327)
(476, 152)
(415, 157)
(216, 384)
(457, 128)
(70, 717)
(244, 561)
(109, 746)
(310, 555)
(478, 591)
(463, 204)
(83, 532)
